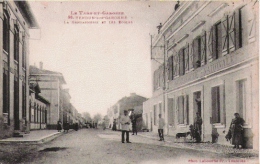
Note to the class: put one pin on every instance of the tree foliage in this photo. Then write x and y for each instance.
(87, 117)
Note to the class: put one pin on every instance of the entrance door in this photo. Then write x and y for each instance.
(197, 103)
(198, 109)
(16, 105)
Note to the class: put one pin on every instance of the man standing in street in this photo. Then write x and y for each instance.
(160, 127)
(125, 122)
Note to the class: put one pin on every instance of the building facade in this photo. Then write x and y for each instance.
(38, 108)
(209, 65)
(16, 18)
(50, 83)
(125, 103)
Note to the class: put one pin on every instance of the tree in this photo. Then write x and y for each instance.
(97, 117)
(87, 117)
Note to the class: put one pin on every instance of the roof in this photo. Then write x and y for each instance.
(35, 87)
(42, 72)
(42, 99)
(25, 9)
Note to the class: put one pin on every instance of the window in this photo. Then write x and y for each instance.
(215, 104)
(24, 100)
(6, 90)
(181, 62)
(155, 115)
(239, 33)
(160, 109)
(197, 52)
(24, 54)
(218, 41)
(176, 65)
(6, 32)
(171, 111)
(16, 43)
(170, 68)
(158, 78)
(241, 101)
(217, 99)
(180, 106)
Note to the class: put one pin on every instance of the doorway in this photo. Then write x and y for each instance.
(197, 103)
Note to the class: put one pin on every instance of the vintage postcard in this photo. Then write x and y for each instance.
(124, 82)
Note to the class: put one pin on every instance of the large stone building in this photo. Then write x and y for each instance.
(207, 62)
(50, 83)
(16, 19)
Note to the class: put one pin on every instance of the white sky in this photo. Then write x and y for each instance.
(100, 63)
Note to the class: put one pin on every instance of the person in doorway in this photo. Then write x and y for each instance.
(197, 127)
(133, 120)
(125, 122)
(236, 129)
(160, 127)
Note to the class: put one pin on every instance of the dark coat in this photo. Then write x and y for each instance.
(236, 129)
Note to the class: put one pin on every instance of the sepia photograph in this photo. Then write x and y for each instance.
(129, 81)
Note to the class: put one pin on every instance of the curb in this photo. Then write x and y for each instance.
(190, 148)
(42, 140)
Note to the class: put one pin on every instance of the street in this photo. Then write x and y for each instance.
(99, 146)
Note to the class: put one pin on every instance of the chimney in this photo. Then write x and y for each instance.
(132, 94)
(41, 65)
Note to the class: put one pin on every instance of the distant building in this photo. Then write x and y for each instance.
(38, 108)
(124, 103)
(50, 83)
(16, 20)
(210, 66)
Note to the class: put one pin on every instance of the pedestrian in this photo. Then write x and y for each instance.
(197, 127)
(66, 127)
(236, 129)
(125, 122)
(114, 125)
(133, 120)
(160, 127)
(104, 124)
(76, 126)
(59, 127)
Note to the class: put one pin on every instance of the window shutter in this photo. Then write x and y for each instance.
(214, 43)
(210, 44)
(170, 68)
(191, 56)
(170, 112)
(186, 110)
(176, 65)
(238, 29)
(224, 30)
(252, 28)
(196, 52)
(182, 109)
(181, 62)
(222, 104)
(155, 80)
(231, 33)
(161, 71)
(203, 48)
(186, 56)
(214, 104)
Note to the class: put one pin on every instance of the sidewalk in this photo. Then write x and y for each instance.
(34, 137)
(209, 147)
